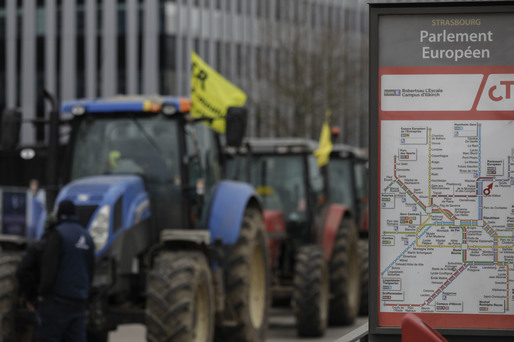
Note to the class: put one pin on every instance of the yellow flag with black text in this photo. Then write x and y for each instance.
(212, 94)
(322, 153)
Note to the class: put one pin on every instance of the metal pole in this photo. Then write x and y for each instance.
(53, 148)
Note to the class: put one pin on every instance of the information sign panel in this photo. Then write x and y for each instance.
(442, 112)
(13, 209)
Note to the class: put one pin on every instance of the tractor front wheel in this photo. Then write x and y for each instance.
(248, 279)
(180, 298)
(345, 275)
(311, 291)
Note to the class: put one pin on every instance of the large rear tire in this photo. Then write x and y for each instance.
(311, 292)
(364, 276)
(180, 298)
(9, 300)
(345, 275)
(248, 283)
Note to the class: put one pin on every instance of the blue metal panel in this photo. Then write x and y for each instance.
(227, 209)
(127, 104)
(107, 107)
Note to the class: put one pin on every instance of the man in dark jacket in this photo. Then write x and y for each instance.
(67, 269)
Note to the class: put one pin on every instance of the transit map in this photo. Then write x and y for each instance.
(447, 216)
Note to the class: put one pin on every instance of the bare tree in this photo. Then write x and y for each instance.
(311, 64)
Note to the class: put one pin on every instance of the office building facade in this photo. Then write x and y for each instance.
(92, 48)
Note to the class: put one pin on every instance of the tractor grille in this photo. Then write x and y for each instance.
(117, 214)
(84, 212)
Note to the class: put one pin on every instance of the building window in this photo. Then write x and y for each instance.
(3, 75)
(218, 54)
(239, 60)
(122, 42)
(81, 50)
(260, 9)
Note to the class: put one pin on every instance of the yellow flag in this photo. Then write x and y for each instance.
(325, 142)
(212, 94)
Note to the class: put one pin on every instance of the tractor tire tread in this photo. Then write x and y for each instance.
(252, 235)
(344, 269)
(171, 289)
(307, 295)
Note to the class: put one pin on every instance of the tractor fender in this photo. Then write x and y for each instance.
(330, 220)
(226, 209)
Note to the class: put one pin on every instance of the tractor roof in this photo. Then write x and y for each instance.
(346, 151)
(280, 145)
(128, 103)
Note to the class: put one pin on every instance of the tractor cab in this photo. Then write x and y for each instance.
(145, 138)
(146, 149)
(287, 178)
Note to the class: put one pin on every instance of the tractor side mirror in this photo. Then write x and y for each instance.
(236, 125)
(10, 128)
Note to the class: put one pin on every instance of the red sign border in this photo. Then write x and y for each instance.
(441, 320)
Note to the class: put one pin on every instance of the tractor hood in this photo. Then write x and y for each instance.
(95, 190)
(107, 205)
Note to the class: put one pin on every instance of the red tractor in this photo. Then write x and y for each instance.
(348, 185)
(314, 242)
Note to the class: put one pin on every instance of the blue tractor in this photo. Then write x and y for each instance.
(177, 248)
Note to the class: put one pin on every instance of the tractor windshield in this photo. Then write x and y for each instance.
(279, 180)
(145, 146)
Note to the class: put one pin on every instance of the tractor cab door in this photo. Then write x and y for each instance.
(202, 168)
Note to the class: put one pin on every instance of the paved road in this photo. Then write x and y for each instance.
(282, 329)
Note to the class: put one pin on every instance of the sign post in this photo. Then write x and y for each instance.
(442, 168)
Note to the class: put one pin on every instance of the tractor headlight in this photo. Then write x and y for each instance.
(169, 109)
(99, 229)
(78, 110)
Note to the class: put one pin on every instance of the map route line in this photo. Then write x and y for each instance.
(445, 284)
(398, 257)
(437, 292)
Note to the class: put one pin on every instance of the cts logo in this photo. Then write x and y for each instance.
(503, 91)
(498, 93)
